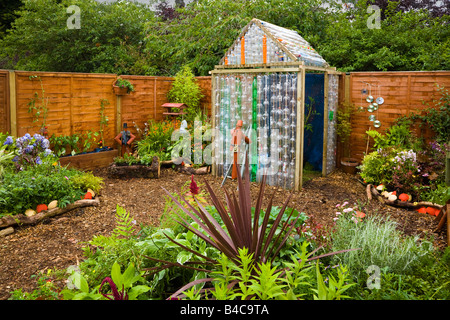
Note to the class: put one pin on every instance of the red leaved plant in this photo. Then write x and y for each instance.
(242, 229)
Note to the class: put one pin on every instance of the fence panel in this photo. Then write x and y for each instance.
(73, 102)
(403, 93)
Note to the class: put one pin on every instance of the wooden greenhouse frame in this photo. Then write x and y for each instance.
(295, 66)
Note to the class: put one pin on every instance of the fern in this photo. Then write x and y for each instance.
(125, 223)
(123, 230)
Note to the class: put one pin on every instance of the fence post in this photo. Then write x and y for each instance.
(119, 118)
(12, 103)
(447, 169)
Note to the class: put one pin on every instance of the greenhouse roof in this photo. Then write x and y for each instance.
(263, 42)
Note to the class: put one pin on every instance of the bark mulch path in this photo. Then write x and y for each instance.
(58, 241)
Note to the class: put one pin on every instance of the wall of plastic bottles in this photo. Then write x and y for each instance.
(267, 104)
(333, 88)
(252, 48)
(256, 47)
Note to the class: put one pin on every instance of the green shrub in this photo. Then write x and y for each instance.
(428, 281)
(157, 140)
(377, 167)
(380, 244)
(42, 184)
(87, 180)
(185, 89)
(397, 136)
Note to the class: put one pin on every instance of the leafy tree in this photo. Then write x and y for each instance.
(7, 15)
(107, 41)
(412, 40)
(128, 37)
(203, 30)
(185, 89)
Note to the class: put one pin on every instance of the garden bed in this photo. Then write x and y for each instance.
(23, 220)
(57, 242)
(122, 171)
(90, 161)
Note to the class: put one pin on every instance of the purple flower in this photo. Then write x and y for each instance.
(38, 160)
(9, 141)
(45, 144)
(28, 149)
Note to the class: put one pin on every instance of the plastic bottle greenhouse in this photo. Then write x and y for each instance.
(272, 79)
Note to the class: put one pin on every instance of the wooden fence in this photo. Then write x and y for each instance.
(74, 101)
(403, 93)
(4, 102)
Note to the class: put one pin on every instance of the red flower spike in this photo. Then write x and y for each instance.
(115, 295)
(360, 214)
(193, 186)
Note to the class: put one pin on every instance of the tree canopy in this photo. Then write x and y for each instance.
(129, 38)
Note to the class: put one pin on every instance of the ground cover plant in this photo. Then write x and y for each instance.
(388, 266)
(32, 177)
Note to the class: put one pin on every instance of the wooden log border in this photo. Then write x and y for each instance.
(372, 191)
(21, 219)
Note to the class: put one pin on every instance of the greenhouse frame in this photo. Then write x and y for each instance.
(268, 78)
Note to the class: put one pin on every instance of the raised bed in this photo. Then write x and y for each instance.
(135, 171)
(90, 161)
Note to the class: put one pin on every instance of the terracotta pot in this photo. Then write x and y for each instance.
(349, 165)
(120, 91)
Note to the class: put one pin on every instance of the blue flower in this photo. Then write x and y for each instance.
(9, 141)
(38, 160)
(27, 136)
(45, 144)
(28, 149)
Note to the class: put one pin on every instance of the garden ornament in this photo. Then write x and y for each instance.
(237, 136)
(125, 138)
(380, 100)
